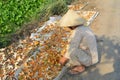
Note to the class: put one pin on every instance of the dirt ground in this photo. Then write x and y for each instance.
(107, 29)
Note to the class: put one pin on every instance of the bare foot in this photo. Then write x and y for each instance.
(77, 69)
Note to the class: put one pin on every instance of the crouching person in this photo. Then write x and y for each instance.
(82, 49)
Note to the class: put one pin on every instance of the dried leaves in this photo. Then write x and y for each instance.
(76, 6)
(87, 14)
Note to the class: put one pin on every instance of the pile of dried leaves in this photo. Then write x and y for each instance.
(45, 64)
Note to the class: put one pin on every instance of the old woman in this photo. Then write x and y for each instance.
(82, 49)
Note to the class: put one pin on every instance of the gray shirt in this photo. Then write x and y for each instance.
(82, 38)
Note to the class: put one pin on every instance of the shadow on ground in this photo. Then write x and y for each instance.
(109, 66)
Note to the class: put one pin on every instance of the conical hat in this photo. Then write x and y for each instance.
(71, 18)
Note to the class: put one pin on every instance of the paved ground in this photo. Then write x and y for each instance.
(107, 28)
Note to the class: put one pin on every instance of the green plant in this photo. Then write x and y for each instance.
(58, 7)
(15, 13)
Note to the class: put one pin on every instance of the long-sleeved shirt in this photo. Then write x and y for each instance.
(82, 38)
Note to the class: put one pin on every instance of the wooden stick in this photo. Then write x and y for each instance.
(62, 73)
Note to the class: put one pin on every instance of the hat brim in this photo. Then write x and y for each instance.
(71, 18)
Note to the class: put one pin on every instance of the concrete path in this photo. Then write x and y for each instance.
(107, 28)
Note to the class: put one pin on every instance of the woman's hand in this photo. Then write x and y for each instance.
(63, 60)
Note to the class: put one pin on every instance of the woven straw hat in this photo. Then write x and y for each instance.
(71, 18)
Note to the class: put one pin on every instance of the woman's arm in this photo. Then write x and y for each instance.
(74, 42)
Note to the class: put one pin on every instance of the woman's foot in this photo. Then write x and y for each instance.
(77, 69)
